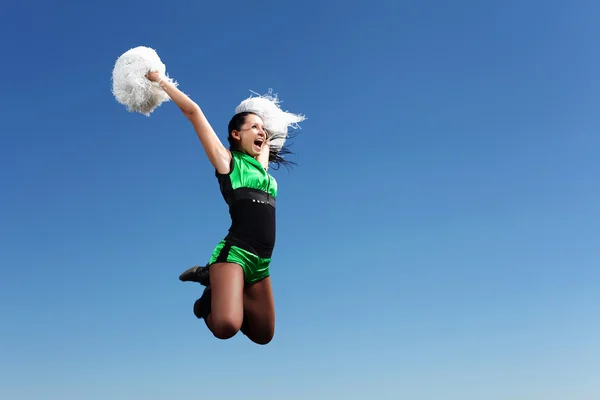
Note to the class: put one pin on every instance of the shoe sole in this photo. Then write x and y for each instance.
(192, 275)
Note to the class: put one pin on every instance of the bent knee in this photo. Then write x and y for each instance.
(263, 340)
(263, 336)
(224, 327)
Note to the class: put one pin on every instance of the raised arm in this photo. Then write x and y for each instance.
(218, 154)
(263, 157)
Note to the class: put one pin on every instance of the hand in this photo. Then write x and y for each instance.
(153, 76)
(266, 147)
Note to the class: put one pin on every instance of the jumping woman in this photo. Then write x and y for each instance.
(238, 293)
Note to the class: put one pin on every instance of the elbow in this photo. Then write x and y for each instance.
(192, 111)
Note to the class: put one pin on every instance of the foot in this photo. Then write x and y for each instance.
(202, 305)
(196, 274)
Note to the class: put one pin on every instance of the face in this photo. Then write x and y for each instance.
(252, 135)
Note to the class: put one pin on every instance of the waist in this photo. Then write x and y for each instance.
(254, 195)
(253, 225)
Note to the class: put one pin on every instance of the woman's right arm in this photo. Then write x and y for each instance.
(217, 154)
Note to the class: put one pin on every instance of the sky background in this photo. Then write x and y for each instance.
(439, 238)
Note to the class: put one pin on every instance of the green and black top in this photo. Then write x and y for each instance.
(250, 192)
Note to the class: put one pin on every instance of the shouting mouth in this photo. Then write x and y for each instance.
(259, 142)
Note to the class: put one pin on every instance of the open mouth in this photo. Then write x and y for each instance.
(259, 142)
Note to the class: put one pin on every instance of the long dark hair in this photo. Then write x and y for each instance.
(275, 157)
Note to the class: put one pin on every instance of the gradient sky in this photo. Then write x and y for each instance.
(439, 238)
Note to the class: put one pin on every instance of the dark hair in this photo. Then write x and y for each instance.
(275, 157)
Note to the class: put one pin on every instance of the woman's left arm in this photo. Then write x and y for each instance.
(263, 157)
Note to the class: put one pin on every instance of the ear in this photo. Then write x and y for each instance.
(236, 135)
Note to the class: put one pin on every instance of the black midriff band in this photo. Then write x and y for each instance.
(255, 195)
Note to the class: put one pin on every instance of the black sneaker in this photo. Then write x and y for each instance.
(196, 274)
(202, 305)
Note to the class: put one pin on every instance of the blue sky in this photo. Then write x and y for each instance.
(439, 238)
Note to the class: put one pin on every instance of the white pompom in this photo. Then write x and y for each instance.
(130, 85)
(275, 119)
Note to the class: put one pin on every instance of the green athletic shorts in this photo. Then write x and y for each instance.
(255, 268)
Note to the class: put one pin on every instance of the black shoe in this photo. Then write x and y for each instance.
(202, 305)
(196, 274)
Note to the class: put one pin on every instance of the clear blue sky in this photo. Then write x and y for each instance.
(439, 239)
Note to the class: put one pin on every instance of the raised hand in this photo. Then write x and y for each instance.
(153, 76)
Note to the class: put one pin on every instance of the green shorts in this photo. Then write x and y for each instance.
(255, 268)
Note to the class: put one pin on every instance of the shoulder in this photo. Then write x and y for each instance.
(238, 163)
(222, 172)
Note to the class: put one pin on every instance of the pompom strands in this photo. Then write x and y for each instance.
(130, 85)
(275, 119)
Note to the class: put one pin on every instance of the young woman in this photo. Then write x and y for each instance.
(238, 294)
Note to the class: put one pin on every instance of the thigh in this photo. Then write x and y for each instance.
(259, 311)
(227, 293)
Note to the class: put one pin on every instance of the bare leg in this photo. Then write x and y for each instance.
(259, 311)
(227, 300)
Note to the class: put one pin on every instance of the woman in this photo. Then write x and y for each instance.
(238, 294)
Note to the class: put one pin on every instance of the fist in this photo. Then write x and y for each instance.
(153, 76)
